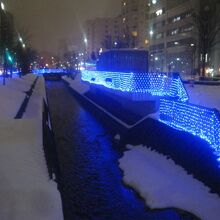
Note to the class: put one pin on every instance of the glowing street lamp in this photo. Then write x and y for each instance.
(23, 45)
(20, 39)
(2, 6)
(85, 41)
(151, 32)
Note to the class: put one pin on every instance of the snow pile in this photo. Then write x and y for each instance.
(26, 191)
(77, 85)
(164, 184)
(117, 137)
(204, 95)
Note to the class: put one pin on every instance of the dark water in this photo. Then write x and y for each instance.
(88, 157)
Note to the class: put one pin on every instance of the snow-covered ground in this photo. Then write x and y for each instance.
(204, 95)
(25, 189)
(163, 184)
(12, 95)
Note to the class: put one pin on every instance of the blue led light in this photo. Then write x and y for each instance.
(174, 110)
(197, 120)
(156, 84)
(46, 70)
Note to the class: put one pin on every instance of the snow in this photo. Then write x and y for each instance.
(204, 95)
(77, 85)
(164, 184)
(35, 105)
(26, 191)
(117, 137)
(12, 95)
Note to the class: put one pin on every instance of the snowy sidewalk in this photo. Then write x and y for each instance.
(26, 191)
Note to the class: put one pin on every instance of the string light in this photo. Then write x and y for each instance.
(197, 120)
(153, 83)
(175, 111)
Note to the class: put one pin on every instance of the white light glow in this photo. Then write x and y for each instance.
(2, 6)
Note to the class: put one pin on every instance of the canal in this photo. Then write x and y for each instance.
(92, 186)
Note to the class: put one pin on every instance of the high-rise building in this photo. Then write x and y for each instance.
(134, 22)
(102, 33)
(172, 41)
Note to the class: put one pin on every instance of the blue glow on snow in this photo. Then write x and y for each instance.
(197, 120)
(156, 84)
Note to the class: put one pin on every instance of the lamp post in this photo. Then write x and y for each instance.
(85, 52)
(2, 10)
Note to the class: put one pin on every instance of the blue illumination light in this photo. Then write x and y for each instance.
(197, 120)
(175, 111)
(156, 84)
(43, 71)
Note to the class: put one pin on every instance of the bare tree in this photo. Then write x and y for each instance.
(207, 23)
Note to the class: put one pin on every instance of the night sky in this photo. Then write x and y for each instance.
(51, 22)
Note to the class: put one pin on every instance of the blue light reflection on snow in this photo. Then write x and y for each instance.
(197, 120)
(157, 84)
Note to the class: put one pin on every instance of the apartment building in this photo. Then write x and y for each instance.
(171, 34)
(135, 15)
(103, 33)
(163, 27)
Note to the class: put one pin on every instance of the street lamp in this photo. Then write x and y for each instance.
(2, 6)
(2, 46)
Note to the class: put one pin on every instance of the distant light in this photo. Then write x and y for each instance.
(159, 12)
(154, 2)
(192, 45)
(146, 41)
(115, 43)
(2, 6)
(100, 50)
(85, 40)
(20, 39)
(23, 45)
(151, 32)
(176, 43)
(178, 59)
(156, 58)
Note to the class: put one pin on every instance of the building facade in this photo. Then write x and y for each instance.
(102, 33)
(166, 28)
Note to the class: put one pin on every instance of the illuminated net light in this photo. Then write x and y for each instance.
(156, 84)
(197, 120)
